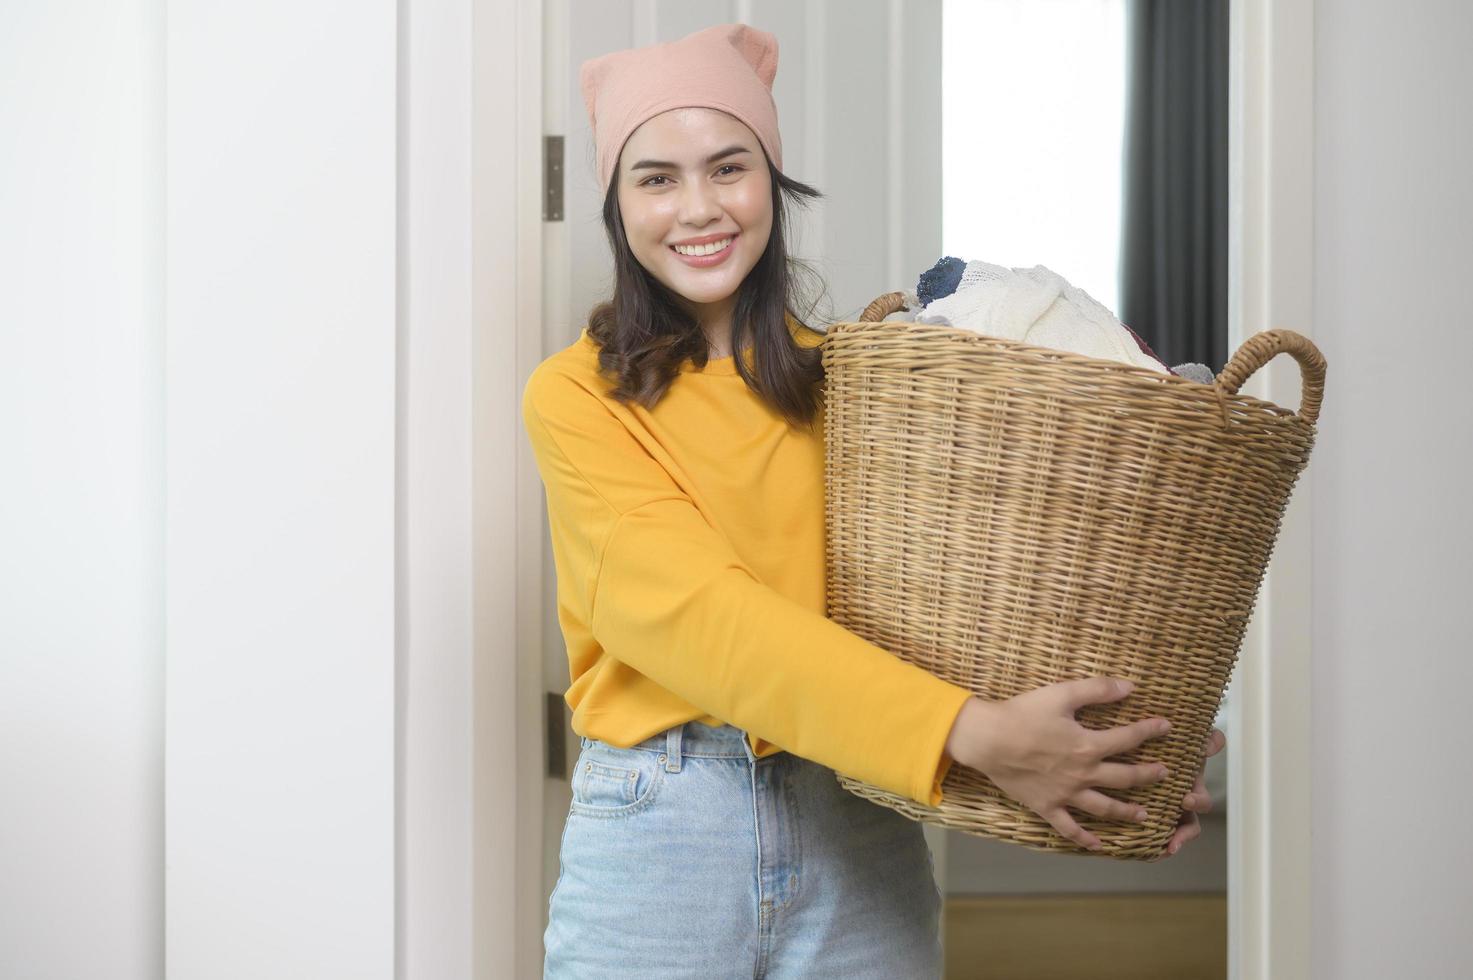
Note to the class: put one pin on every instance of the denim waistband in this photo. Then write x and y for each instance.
(692, 738)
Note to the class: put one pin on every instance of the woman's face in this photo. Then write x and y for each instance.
(678, 183)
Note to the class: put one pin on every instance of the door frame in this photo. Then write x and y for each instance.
(1271, 265)
(1271, 284)
(507, 108)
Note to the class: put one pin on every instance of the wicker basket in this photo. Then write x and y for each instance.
(1008, 516)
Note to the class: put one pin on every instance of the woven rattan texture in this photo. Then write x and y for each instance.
(1009, 516)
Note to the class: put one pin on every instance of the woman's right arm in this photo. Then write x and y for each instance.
(1034, 750)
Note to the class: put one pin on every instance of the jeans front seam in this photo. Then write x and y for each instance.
(795, 876)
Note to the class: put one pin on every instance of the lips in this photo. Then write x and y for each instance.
(704, 261)
(707, 239)
(708, 246)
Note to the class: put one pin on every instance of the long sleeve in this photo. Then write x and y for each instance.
(666, 594)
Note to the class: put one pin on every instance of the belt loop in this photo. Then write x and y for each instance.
(672, 748)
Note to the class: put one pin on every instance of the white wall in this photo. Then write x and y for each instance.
(236, 266)
(81, 491)
(434, 627)
(282, 227)
(1392, 539)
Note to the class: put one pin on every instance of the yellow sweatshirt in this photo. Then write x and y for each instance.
(689, 547)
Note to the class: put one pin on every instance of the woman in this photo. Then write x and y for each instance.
(680, 443)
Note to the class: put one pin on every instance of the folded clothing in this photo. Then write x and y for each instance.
(1193, 371)
(940, 280)
(951, 274)
(1039, 307)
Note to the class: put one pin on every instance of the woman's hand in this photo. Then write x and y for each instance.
(1033, 749)
(1197, 801)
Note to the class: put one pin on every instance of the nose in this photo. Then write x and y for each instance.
(698, 204)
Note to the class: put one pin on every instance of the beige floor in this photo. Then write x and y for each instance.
(1087, 937)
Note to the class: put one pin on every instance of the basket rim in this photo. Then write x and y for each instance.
(1131, 373)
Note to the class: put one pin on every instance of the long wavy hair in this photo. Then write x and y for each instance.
(644, 334)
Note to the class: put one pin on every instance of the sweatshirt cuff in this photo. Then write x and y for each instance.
(936, 762)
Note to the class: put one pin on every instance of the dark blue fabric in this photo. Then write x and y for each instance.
(940, 280)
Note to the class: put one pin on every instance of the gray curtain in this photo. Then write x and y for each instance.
(1173, 257)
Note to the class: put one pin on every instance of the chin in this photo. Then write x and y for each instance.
(704, 295)
(710, 290)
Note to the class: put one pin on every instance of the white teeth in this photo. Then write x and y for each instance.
(707, 249)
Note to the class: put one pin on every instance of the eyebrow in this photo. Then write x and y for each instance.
(667, 165)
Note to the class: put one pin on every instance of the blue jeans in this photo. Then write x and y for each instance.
(684, 856)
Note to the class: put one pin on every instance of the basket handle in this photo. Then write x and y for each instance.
(882, 307)
(1255, 352)
(1261, 348)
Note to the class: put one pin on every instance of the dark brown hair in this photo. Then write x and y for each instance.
(644, 334)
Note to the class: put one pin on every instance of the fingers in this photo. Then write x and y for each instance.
(1101, 689)
(1188, 829)
(1113, 775)
(1198, 800)
(1123, 738)
(1093, 690)
(1107, 807)
(1127, 775)
(1198, 803)
(1060, 820)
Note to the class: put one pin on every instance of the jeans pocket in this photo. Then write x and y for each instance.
(614, 782)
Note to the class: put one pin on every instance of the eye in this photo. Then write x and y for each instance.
(650, 181)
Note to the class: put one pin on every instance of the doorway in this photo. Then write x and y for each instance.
(832, 140)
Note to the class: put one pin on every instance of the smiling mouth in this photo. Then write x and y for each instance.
(711, 248)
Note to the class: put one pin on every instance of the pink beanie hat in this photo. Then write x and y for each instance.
(729, 67)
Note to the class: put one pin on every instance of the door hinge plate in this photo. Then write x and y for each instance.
(557, 735)
(552, 178)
